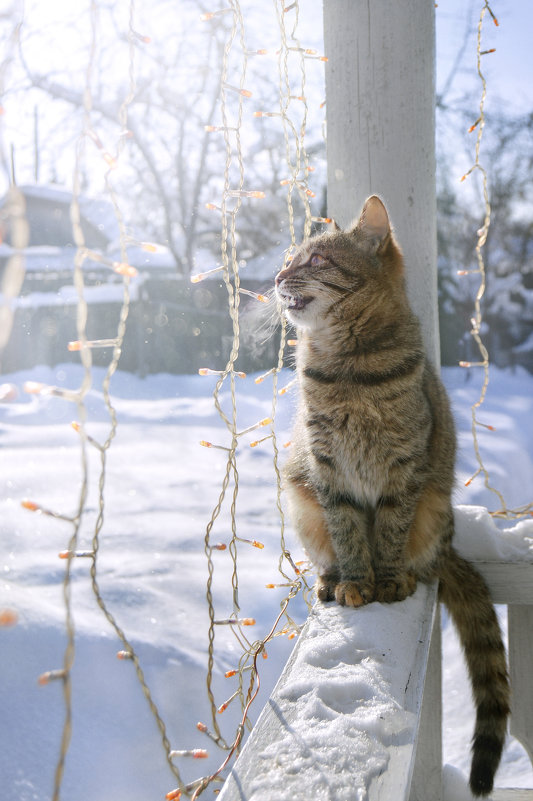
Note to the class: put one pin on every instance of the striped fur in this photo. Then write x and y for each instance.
(371, 470)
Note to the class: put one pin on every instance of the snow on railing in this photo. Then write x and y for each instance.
(344, 717)
(357, 711)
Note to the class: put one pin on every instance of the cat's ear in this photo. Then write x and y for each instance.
(374, 224)
(334, 227)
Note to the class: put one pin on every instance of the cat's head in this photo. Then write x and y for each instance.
(340, 275)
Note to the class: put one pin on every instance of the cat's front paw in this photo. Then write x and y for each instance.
(397, 588)
(325, 588)
(354, 593)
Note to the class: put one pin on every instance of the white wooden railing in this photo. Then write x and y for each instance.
(413, 763)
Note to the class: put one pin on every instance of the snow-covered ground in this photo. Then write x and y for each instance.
(161, 488)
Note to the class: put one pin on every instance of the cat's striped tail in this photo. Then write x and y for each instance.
(467, 598)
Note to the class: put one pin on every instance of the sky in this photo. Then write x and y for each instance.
(509, 69)
(55, 35)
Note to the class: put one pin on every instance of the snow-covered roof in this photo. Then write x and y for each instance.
(97, 211)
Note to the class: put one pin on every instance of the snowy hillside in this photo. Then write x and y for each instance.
(161, 489)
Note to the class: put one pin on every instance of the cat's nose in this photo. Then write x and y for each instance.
(282, 275)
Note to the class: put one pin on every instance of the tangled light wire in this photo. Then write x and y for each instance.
(233, 96)
(476, 322)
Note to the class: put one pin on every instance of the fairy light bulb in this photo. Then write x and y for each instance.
(123, 268)
(195, 279)
(31, 506)
(51, 675)
(212, 14)
(208, 371)
(255, 295)
(260, 378)
(222, 708)
(267, 114)
(259, 441)
(257, 193)
(77, 345)
(110, 160)
(77, 554)
(219, 128)
(195, 753)
(241, 92)
(8, 617)
(471, 479)
(261, 424)
(287, 387)
(256, 544)
(485, 425)
(33, 387)
(284, 584)
(8, 392)
(142, 38)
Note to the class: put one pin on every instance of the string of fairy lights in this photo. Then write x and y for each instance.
(233, 99)
(233, 95)
(236, 110)
(476, 321)
(84, 346)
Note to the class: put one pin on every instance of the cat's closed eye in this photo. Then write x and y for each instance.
(317, 260)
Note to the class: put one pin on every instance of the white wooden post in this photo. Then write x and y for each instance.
(380, 100)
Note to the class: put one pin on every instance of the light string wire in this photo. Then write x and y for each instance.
(230, 270)
(298, 168)
(231, 203)
(86, 359)
(84, 348)
(129, 650)
(477, 319)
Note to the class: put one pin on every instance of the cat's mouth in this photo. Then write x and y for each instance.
(296, 303)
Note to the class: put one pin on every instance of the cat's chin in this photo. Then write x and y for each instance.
(300, 318)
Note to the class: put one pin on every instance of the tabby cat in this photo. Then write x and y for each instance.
(371, 469)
